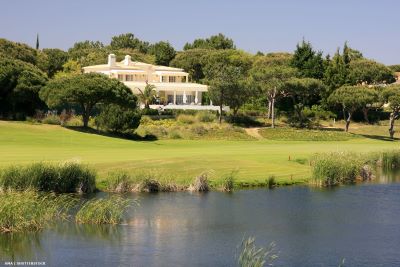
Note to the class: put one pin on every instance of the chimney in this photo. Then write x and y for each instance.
(127, 60)
(111, 60)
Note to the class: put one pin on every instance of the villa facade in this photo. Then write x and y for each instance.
(172, 84)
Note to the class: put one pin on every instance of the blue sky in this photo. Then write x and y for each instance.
(268, 26)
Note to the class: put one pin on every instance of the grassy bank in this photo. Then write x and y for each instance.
(179, 160)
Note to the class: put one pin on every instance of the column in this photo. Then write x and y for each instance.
(187, 78)
(184, 97)
(196, 98)
(160, 78)
(174, 97)
(211, 102)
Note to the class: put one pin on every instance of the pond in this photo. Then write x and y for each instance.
(310, 227)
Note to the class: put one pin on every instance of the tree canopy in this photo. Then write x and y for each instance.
(218, 41)
(86, 91)
(128, 40)
(163, 52)
(309, 62)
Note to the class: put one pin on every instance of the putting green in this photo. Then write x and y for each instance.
(180, 160)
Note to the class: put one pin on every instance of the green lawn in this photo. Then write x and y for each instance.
(180, 160)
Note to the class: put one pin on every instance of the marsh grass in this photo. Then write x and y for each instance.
(336, 168)
(61, 178)
(271, 182)
(253, 256)
(103, 211)
(143, 181)
(228, 182)
(31, 211)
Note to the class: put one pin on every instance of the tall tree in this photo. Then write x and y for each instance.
(351, 98)
(218, 41)
(37, 41)
(20, 83)
(55, 59)
(192, 61)
(87, 91)
(369, 72)
(309, 62)
(269, 76)
(128, 40)
(391, 95)
(163, 52)
(304, 92)
(19, 51)
(225, 72)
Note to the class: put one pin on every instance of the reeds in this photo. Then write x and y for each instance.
(49, 177)
(200, 184)
(31, 210)
(103, 211)
(336, 168)
(253, 256)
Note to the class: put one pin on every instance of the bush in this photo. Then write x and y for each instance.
(60, 178)
(118, 182)
(186, 119)
(243, 120)
(117, 119)
(52, 119)
(206, 116)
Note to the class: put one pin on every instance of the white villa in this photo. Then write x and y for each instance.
(174, 90)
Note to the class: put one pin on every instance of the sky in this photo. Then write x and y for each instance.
(371, 26)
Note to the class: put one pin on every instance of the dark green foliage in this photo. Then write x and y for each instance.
(271, 182)
(128, 40)
(118, 119)
(87, 90)
(55, 59)
(163, 52)
(309, 62)
(19, 51)
(370, 72)
(60, 178)
(192, 62)
(219, 41)
(20, 83)
(304, 93)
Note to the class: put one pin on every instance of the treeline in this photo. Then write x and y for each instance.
(305, 85)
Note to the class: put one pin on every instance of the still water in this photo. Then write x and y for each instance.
(311, 227)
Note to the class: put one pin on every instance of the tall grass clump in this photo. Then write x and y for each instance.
(31, 210)
(119, 182)
(253, 256)
(336, 168)
(60, 178)
(390, 159)
(228, 183)
(200, 184)
(103, 211)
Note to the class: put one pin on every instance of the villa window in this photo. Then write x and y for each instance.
(172, 79)
(129, 78)
(120, 77)
(164, 79)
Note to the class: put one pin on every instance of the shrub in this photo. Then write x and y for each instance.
(206, 116)
(271, 181)
(186, 119)
(117, 119)
(103, 211)
(243, 120)
(60, 178)
(52, 119)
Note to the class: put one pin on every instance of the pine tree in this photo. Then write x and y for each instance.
(37, 41)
